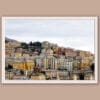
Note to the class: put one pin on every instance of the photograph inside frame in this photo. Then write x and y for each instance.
(49, 50)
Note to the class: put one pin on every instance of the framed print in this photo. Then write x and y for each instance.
(51, 50)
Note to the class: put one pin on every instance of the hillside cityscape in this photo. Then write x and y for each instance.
(46, 61)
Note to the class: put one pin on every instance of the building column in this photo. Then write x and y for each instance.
(53, 64)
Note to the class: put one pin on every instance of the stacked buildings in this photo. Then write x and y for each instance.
(50, 59)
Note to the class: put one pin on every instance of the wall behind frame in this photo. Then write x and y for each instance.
(48, 8)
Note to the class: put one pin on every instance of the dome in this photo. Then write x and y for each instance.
(45, 44)
(49, 51)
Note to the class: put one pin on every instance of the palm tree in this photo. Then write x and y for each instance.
(10, 67)
(92, 66)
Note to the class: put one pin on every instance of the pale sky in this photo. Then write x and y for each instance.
(77, 34)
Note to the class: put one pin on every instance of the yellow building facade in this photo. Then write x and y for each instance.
(23, 65)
